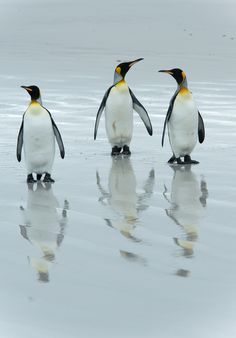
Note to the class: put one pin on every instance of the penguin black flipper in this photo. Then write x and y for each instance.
(168, 115)
(201, 129)
(100, 110)
(139, 108)
(58, 136)
(20, 141)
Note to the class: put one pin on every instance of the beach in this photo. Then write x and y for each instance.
(125, 247)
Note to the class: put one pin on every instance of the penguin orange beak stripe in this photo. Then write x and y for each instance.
(166, 71)
(135, 61)
(26, 88)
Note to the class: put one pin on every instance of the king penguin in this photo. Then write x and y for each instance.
(37, 135)
(183, 120)
(119, 102)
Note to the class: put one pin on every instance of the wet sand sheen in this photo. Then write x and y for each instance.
(127, 236)
(127, 247)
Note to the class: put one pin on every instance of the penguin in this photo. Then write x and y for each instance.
(184, 122)
(119, 102)
(37, 135)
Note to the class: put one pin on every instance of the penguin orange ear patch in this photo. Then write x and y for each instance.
(184, 75)
(118, 70)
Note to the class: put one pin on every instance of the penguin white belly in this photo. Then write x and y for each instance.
(119, 115)
(39, 140)
(183, 124)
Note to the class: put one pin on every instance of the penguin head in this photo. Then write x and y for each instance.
(177, 73)
(34, 92)
(122, 69)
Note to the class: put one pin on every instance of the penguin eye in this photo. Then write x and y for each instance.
(118, 70)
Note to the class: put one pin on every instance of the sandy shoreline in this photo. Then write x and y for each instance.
(137, 249)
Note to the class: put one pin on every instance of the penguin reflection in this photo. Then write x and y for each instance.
(188, 200)
(43, 227)
(122, 196)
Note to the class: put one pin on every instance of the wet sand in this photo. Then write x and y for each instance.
(127, 247)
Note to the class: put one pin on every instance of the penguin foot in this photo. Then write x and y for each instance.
(30, 179)
(126, 151)
(48, 179)
(172, 159)
(39, 177)
(115, 151)
(179, 161)
(188, 160)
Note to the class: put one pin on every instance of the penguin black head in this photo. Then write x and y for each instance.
(177, 73)
(123, 68)
(33, 91)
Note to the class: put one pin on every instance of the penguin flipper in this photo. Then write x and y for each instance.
(58, 136)
(100, 110)
(59, 139)
(201, 129)
(20, 141)
(139, 108)
(168, 115)
(164, 129)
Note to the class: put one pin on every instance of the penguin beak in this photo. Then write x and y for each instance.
(166, 71)
(135, 61)
(26, 88)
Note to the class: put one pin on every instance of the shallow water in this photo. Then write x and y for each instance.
(125, 247)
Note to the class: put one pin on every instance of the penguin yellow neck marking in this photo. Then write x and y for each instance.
(121, 83)
(35, 108)
(35, 103)
(184, 91)
(122, 86)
